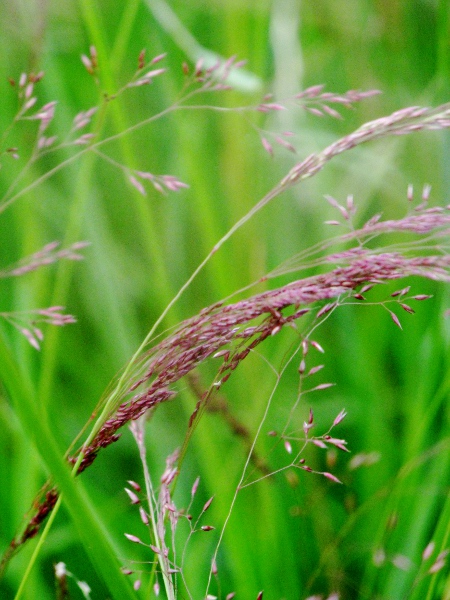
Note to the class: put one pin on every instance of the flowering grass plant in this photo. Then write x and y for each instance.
(351, 268)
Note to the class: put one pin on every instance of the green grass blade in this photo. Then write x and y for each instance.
(87, 521)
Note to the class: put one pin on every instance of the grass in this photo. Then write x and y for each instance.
(293, 534)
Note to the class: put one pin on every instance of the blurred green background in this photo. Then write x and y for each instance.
(291, 538)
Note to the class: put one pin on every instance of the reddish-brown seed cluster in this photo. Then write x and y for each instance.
(232, 331)
(44, 508)
(401, 122)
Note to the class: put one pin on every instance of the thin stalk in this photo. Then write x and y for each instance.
(152, 507)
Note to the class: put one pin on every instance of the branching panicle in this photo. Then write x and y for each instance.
(234, 330)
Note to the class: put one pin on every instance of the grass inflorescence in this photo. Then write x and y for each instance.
(345, 270)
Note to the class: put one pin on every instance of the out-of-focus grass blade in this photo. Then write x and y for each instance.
(239, 79)
(88, 523)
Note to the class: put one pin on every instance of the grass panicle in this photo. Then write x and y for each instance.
(350, 268)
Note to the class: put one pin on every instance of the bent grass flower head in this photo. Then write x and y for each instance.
(231, 331)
